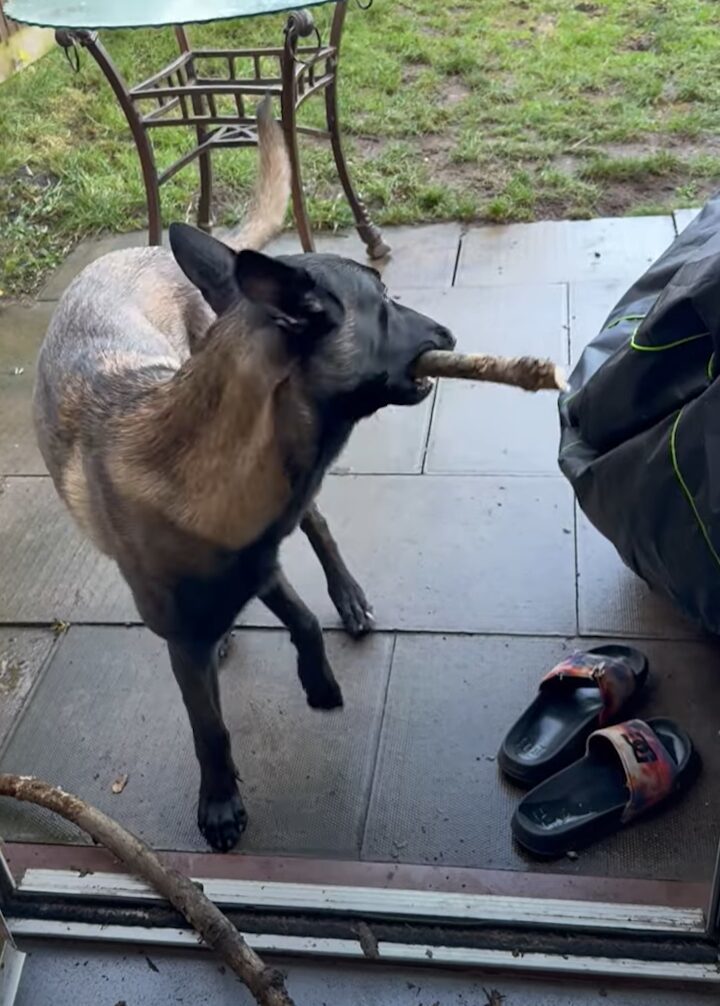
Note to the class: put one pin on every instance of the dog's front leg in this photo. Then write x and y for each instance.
(316, 676)
(345, 592)
(221, 815)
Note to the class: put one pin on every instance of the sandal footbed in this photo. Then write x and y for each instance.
(586, 800)
(552, 731)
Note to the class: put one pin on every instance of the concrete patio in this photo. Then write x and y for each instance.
(481, 570)
(76, 974)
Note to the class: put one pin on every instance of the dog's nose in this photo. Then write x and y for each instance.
(445, 337)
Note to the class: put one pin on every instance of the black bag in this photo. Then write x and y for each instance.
(640, 424)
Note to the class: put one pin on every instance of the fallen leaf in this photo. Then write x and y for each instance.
(120, 783)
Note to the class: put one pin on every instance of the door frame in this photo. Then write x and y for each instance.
(645, 931)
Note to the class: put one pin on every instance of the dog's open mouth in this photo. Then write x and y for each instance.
(413, 389)
(422, 385)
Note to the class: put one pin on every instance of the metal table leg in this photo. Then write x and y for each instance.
(90, 41)
(180, 80)
(204, 211)
(299, 24)
(369, 233)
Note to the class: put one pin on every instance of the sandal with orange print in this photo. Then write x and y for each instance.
(586, 691)
(628, 769)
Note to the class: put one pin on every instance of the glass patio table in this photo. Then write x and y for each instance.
(208, 90)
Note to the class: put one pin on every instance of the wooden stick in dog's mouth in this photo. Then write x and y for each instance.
(526, 372)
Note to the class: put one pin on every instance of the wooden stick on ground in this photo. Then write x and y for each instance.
(521, 371)
(266, 984)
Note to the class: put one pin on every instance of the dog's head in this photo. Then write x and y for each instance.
(355, 345)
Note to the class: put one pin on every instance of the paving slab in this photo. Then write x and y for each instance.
(22, 330)
(447, 553)
(420, 257)
(563, 251)
(392, 442)
(50, 571)
(109, 706)
(434, 553)
(613, 601)
(590, 304)
(438, 797)
(684, 217)
(487, 428)
(493, 431)
(23, 657)
(70, 973)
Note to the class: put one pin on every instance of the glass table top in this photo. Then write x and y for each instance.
(142, 13)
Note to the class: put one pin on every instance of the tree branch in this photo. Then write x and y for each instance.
(522, 371)
(266, 984)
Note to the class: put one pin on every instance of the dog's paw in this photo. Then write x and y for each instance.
(352, 606)
(222, 821)
(325, 694)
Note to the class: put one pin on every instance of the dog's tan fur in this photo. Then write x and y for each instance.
(205, 420)
(167, 460)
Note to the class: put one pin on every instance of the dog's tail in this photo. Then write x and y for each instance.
(272, 190)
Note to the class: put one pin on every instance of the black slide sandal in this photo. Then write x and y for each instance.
(628, 770)
(583, 693)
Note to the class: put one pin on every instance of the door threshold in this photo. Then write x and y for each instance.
(387, 953)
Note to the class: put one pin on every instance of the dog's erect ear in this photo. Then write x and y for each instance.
(208, 264)
(289, 294)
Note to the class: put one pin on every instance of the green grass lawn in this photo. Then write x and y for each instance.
(473, 110)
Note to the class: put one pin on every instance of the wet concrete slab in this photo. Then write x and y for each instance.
(684, 217)
(420, 257)
(447, 553)
(77, 974)
(613, 601)
(563, 251)
(109, 706)
(22, 330)
(439, 798)
(490, 429)
(51, 571)
(23, 657)
(590, 304)
(416, 544)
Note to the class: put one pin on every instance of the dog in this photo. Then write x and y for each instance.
(188, 404)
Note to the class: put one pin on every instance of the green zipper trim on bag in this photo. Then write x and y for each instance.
(686, 491)
(669, 345)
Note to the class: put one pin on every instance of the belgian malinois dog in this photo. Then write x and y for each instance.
(188, 404)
